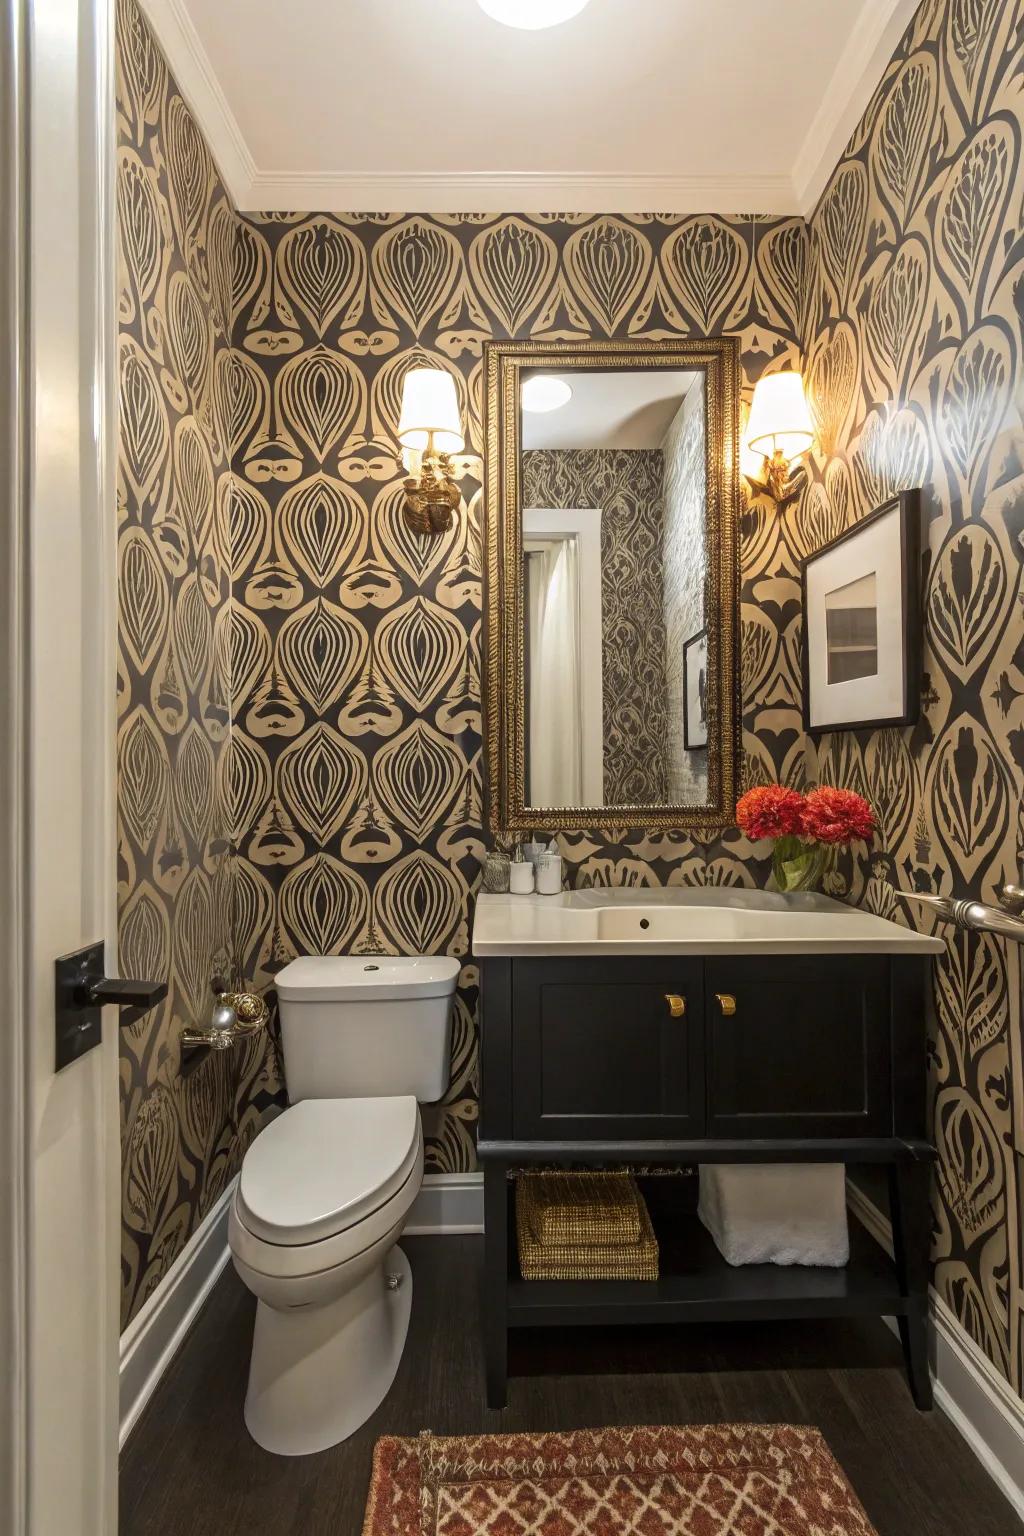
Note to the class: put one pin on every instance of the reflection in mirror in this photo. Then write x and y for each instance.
(614, 500)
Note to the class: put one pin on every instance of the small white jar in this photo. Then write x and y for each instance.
(549, 874)
(520, 878)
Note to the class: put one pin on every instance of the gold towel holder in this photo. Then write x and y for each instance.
(236, 1016)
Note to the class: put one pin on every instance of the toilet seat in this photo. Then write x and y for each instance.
(347, 1215)
(325, 1164)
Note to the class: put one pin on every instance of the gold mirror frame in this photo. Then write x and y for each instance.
(504, 683)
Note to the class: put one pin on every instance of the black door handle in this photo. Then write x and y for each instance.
(124, 993)
(81, 988)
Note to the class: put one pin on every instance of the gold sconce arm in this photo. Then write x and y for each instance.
(432, 500)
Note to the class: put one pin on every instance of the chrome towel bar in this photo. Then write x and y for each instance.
(1006, 920)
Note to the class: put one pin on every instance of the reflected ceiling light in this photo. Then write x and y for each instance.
(780, 428)
(532, 14)
(545, 393)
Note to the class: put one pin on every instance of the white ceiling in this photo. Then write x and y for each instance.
(610, 410)
(674, 106)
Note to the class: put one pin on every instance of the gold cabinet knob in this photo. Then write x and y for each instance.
(676, 1004)
(727, 1003)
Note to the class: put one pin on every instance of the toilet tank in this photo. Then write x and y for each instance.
(366, 1026)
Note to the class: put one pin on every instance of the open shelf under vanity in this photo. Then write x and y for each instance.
(696, 1284)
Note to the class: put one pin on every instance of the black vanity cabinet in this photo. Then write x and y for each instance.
(602, 1052)
(798, 1046)
(681, 1060)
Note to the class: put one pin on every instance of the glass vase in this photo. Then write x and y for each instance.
(798, 866)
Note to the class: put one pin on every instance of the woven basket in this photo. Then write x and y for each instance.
(568, 1209)
(574, 1260)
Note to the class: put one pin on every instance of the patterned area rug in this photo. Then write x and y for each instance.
(721, 1480)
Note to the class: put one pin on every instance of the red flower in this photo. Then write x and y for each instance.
(838, 816)
(771, 811)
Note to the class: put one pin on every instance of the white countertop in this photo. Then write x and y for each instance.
(677, 920)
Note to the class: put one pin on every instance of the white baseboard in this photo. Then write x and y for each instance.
(448, 1204)
(968, 1388)
(155, 1333)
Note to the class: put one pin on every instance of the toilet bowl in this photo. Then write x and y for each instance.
(325, 1190)
(322, 1198)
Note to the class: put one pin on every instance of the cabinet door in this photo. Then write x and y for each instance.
(598, 1054)
(799, 1046)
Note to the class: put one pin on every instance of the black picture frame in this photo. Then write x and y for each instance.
(909, 504)
(688, 744)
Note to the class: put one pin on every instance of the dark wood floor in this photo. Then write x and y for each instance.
(190, 1468)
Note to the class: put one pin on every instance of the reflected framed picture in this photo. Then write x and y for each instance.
(862, 623)
(695, 691)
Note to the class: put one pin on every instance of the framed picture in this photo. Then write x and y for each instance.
(695, 692)
(862, 623)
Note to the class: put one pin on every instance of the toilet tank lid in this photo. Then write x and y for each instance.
(366, 978)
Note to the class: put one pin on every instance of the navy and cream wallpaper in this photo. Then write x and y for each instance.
(356, 775)
(628, 486)
(914, 340)
(338, 754)
(182, 1136)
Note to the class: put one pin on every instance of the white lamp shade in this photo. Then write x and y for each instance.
(430, 412)
(779, 416)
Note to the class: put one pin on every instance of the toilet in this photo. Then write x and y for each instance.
(325, 1190)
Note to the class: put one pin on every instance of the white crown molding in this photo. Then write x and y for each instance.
(283, 191)
(484, 192)
(194, 76)
(969, 1389)
(876, 36)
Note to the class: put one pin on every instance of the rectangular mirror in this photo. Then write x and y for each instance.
(610, 693)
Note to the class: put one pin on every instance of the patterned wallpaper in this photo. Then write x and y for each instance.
(627, 485)
(685, 565)
(354, 733)
(356, 775)
(915, 306)
(182, 1137)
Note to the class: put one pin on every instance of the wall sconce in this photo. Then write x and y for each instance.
(430, 426)
(780, 428)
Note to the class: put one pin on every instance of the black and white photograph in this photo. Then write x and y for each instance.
(862, 622)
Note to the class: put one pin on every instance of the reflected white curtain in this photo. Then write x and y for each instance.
(556, 736)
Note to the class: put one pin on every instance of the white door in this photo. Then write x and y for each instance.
(59, 1203)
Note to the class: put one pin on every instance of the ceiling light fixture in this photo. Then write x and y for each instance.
(545, 393)
(532, 14)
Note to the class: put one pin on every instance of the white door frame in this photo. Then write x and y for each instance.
(59, 1206)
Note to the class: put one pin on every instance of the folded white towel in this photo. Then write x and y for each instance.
(776, 1213)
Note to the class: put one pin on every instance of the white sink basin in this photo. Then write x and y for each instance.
(674, 920)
